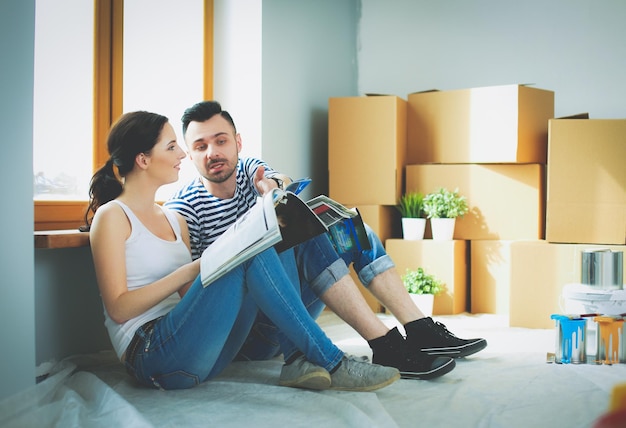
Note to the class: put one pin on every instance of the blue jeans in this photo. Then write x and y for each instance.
(319, 266)
(197, 339)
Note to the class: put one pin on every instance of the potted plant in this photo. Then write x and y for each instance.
(422, 288)
(442, 207)
(411, 207)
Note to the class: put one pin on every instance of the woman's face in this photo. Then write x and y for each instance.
(166, 156)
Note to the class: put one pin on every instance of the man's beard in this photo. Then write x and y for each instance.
(221, 176)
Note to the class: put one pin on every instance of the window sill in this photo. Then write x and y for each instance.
(61, 239)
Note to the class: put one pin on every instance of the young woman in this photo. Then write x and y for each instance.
(169, 330)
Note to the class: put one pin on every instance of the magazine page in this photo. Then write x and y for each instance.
(330, 211)
(345, 226)
(253, 232)
(298, 222)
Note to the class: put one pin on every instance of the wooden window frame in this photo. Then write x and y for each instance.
(108, 95)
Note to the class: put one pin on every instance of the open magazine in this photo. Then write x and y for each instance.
(282, 220)
(344, 225)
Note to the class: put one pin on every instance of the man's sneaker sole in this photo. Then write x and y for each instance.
(316, 380)
(459, 351)
(430, 374)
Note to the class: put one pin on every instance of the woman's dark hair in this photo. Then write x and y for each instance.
(133, 133)
(203, 111)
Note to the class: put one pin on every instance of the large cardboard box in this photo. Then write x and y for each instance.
(531, 274)
(366, 149)
(447, 260)
(586, 181)
(495, 124)
(490, 276)
(506, 201)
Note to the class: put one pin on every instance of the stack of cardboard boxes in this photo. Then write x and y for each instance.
(538, 188)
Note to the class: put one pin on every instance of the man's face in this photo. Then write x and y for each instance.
(213, 148)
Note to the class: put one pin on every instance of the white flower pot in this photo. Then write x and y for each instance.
(413, 228)
(424, 302)
(442, 228)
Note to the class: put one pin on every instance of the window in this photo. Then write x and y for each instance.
(63, 100)
(163, 64)
(139, 54)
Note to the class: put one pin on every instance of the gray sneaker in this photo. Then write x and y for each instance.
(304, 374)
(357, 375)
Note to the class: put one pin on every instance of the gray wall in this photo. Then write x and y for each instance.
(68, 311)
(573, 47)
(309, 55)
(17, 320)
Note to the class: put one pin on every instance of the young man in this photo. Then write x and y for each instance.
(228, 187)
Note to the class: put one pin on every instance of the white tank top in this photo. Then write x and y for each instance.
(148, 258)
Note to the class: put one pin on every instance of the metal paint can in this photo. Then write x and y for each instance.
(603, 269)
(610, 340)
(571, 333)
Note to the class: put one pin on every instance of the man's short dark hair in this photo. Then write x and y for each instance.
(203, 111)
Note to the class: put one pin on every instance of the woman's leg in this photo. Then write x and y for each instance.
(183, 347)
(320, 267)
(189, 344)
(280, 300)
(265, 340)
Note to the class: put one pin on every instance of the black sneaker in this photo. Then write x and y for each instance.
(391, 350)
(435, 339)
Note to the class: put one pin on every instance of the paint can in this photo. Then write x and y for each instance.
(571, 332)
(610, 340)
(603, 269)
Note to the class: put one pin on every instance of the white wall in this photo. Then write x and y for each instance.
(17, 318)
(573, 47)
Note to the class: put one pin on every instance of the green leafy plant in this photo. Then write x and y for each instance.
(445, 204)
(411, 205)
(419, 282)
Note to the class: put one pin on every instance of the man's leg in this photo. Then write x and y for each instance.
(327, 275)
(378, 274)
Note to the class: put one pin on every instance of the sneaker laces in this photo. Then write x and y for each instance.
(443, 330)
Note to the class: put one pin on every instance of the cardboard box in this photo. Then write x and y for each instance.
(366, 149)
(447, 260)
(384, 220)
(496, 124)
(490, 276)
(586, 181)
(531, 274)
(506, 201)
